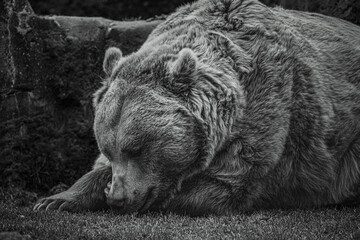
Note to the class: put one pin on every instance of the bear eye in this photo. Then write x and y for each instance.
(132, 153)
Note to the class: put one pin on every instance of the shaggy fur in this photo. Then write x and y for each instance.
(228, 106)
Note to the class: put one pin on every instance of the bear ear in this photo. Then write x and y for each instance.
(183, 70)
(112, 56)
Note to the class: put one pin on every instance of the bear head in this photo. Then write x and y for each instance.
(144, 127)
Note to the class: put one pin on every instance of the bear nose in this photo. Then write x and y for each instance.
(115, 195)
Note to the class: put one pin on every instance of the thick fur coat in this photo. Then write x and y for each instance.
(227, 107)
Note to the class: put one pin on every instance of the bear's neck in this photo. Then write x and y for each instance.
(217, 101)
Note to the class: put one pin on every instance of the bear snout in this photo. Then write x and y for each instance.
(115, 194)
(119, 197)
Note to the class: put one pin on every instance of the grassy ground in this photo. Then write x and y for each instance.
(327, 223)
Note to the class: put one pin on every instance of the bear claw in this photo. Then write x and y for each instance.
(63, 201)
(44, 204)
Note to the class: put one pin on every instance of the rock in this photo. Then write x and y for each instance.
(43, 52)
(49, 68)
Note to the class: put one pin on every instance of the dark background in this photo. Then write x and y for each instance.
(135, 9)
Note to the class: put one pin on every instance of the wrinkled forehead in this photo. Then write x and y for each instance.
(138, 114)
(127, 105)
(145, 66)
(145, 109)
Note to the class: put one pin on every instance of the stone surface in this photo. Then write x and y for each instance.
(49, 68)
(40, 53)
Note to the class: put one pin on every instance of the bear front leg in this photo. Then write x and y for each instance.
(86, 194)
(203, 195)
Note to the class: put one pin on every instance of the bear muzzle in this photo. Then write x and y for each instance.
(123, 201)
(118, 196)
(130, 189)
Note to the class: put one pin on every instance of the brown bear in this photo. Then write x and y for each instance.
(228, 106)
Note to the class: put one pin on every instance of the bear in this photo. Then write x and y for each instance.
(229, 106)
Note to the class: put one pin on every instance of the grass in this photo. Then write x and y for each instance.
(325, 223)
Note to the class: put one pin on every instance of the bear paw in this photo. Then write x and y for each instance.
(65, 201)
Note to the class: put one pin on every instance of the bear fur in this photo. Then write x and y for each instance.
(229, 106)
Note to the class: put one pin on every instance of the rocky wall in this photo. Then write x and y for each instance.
(49, 68)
